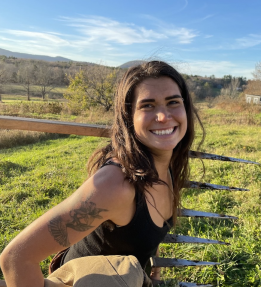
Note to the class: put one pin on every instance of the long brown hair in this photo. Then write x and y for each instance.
(135, 158)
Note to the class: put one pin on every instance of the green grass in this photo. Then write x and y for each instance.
(240, 262)
(15, 92)
(34, 178)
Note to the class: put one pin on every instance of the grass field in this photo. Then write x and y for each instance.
(35, 177)
(15, 92)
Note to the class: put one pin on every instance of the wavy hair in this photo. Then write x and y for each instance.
(135, 158)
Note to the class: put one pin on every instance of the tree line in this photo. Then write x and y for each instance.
(91, 84)
(45, 75)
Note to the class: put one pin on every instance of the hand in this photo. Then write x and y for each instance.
(155, 273)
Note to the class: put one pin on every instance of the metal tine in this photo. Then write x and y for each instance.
(188, 284)
(205, 185)
(203, 155)
(173, 262)
(180, 284)
(195, 213)
(174, 238)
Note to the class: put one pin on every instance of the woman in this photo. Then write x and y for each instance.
(132, 194)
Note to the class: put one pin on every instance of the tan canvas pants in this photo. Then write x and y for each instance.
(98, 271)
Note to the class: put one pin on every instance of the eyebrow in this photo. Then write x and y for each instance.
(153, 100)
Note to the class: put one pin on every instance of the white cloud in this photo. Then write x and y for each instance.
(36, 36)
(217, 68)
(245, 42)
(100, 28)
(94, 38)
(205, 18)
(183, 35)
(249, 41)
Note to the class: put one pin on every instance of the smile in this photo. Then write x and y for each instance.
(164, 132)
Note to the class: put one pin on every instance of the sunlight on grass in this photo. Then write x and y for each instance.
(35, 177)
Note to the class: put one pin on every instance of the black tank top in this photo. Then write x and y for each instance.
(139, 238)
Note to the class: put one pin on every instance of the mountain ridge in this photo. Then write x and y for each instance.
(131, 64)
(8, 53)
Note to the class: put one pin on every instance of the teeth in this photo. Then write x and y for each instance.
(163, 132)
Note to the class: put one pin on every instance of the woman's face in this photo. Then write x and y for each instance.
(159, 115)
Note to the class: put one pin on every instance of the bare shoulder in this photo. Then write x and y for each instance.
(109, 183)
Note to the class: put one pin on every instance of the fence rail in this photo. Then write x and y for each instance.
(48, 126)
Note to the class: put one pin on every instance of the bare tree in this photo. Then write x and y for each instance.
(26, 77)
(46, 79)
(231, 91)
(257, 72)
(2, 72)
(4, 77)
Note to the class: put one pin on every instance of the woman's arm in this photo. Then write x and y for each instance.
(105, 196)
(155, 271)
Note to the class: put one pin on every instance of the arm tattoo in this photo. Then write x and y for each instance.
(58, 230)
(81, 220)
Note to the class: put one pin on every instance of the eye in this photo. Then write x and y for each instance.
(174, 102)
(146, 106)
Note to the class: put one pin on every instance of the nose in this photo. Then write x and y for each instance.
(162, 115)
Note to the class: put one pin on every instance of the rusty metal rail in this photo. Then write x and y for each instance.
(49, 126)
(174, 238)
(195, 213)
(203, 155)
(205, 185)
(173, 262)
(187, 284)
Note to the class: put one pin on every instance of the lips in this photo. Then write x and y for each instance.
(164, 132)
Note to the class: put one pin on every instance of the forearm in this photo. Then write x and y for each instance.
(19, 273)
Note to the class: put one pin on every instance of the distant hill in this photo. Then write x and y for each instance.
(131, 64)
(34, 57)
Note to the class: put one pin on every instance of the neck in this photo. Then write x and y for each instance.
(162, 164)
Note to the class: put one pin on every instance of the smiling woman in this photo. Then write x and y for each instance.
(159, 114)
(132, 195)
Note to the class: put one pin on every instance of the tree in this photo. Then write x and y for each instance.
(45, 78)
(254, 86)
(231, 91)
(227, 80)
(94, 85)
(5, 76)
(2, 80)
(26, 77)
(257, 72)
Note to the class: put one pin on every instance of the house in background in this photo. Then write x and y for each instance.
(253, 99)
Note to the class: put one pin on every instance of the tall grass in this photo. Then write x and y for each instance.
(12, 138)
(55, 110)
(230, 111)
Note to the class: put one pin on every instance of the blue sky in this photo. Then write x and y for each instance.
(202, 37)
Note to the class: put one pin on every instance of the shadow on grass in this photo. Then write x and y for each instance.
(9, 169)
